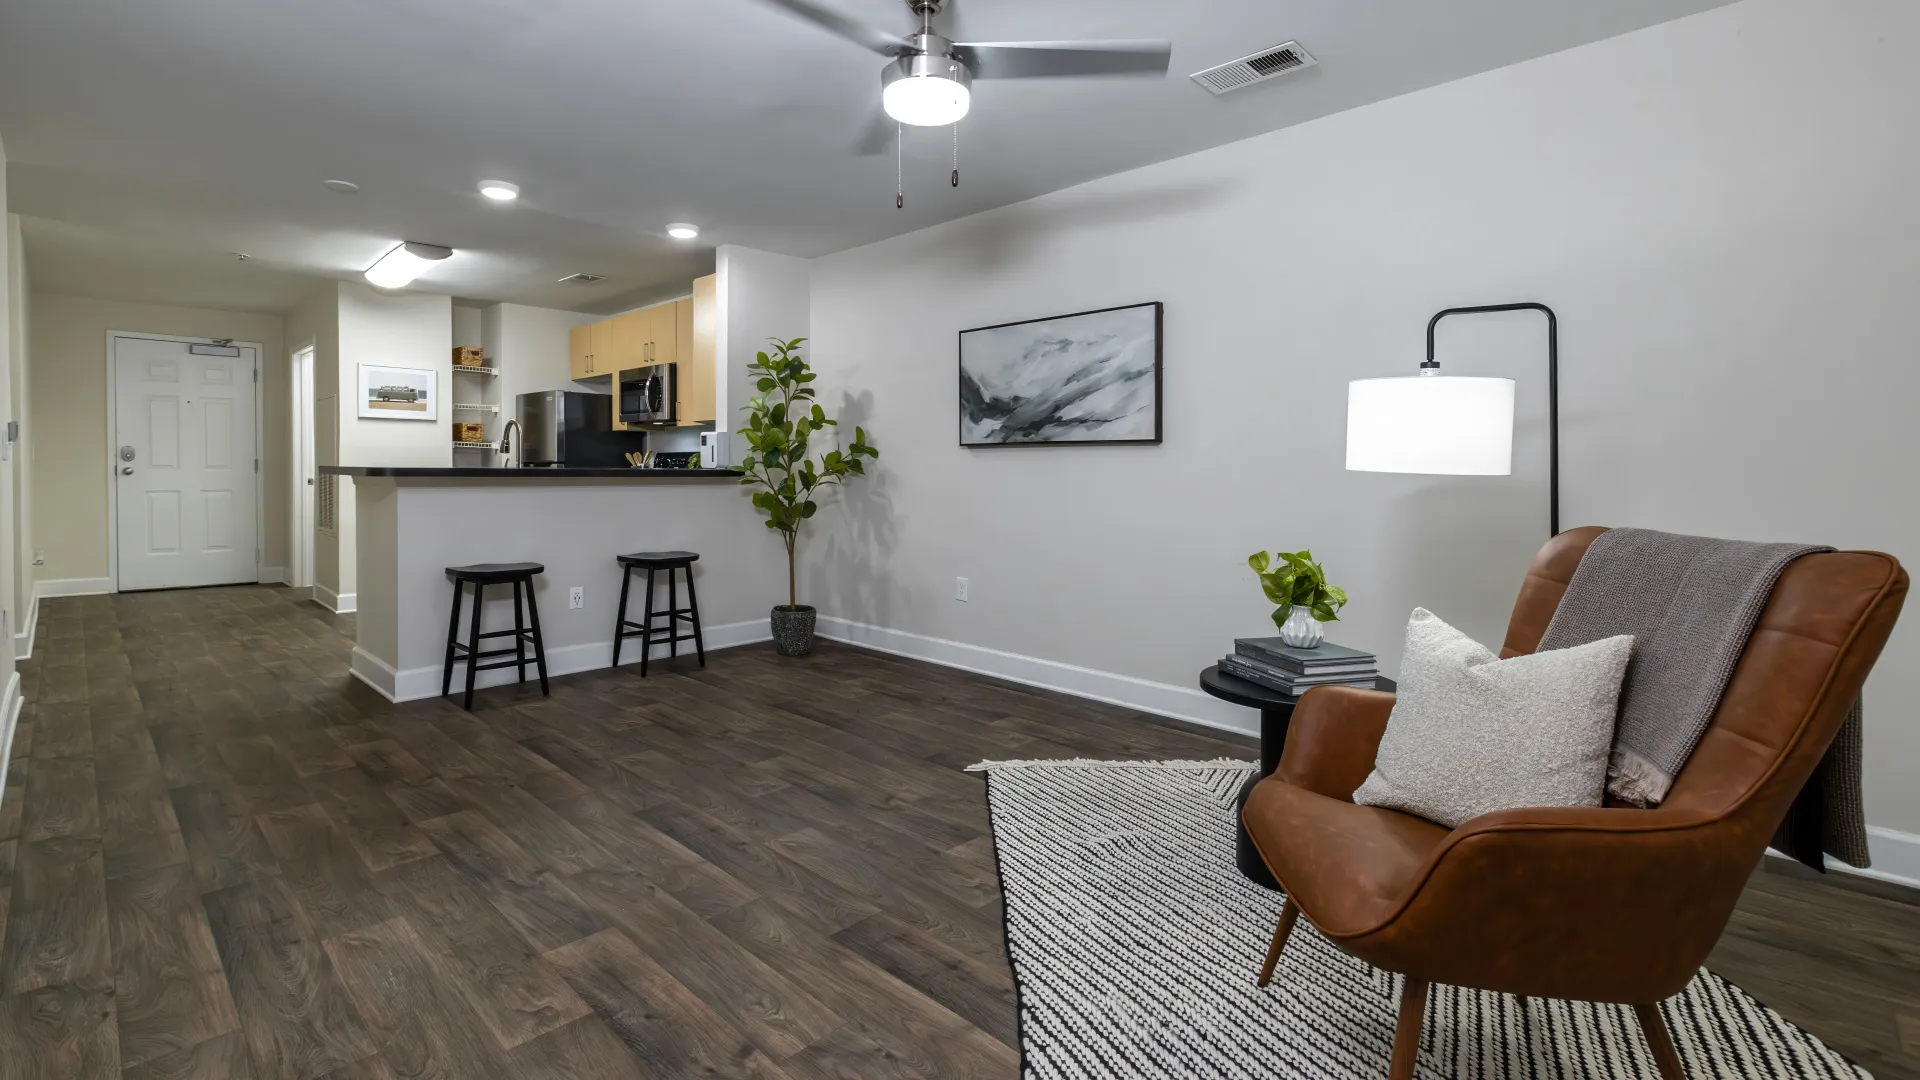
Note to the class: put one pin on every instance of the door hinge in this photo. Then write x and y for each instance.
(256, 464)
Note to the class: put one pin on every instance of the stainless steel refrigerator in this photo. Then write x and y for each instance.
(571, 429)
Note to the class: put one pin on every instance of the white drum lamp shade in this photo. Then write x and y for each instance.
(1442, 425)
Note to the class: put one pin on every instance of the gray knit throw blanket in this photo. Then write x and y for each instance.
(1690, 603)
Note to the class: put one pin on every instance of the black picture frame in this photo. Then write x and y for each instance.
(1159, 349)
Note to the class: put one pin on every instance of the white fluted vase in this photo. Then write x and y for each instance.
(1302, 630)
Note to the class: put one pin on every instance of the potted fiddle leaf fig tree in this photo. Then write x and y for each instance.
(1302, 599)
(783, 422)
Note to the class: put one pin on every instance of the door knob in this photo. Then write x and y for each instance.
(128, 471)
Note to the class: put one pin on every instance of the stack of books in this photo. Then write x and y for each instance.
(1276, 665)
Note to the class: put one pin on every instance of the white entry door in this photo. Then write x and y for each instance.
(183, 465)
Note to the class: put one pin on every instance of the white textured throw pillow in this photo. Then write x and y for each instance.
(1471, 733)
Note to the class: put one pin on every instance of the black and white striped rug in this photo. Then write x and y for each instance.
(1135, 943)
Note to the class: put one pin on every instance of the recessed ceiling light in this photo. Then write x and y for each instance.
(344, 187)
(404, 263)
(499, 190)
(680, 230)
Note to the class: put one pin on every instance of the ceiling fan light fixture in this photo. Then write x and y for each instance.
(926, 90)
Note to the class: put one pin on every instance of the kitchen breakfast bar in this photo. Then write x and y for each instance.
(411, 524)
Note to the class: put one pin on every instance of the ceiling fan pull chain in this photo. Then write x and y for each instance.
(956, 155)
(899, 168)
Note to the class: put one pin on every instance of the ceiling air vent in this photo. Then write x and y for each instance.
(1261, 66)
(582, 279)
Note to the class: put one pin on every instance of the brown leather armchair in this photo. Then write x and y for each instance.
(1612, 904)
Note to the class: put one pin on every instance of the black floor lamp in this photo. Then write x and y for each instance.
(1452, 425)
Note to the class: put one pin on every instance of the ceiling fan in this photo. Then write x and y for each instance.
(929, 82)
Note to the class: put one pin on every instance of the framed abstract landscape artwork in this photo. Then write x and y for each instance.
(1093, 377)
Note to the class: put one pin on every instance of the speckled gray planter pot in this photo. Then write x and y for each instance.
(793, 630)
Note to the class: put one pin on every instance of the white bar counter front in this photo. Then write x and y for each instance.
(413, 523)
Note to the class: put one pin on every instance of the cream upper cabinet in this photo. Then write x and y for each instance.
(666, 335)
(601, 360)
(679, 333)
(580, 352)
(698, 363)
(631, 332)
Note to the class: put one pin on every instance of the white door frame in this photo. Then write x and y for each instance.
(113, 447)
(300, 524)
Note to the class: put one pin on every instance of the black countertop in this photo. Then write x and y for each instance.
(624, 473)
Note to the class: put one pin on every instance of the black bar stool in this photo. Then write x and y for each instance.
(648, 633)
(520, 576)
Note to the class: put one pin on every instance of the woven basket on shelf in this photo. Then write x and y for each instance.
(467, 432)
(468, 356)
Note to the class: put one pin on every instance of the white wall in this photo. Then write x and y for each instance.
(467, 323)
(758, 296)
(21, 464)
(316, 322)
(1728, 231)
(12, 601)
(68, 393)
(529, 347)
(413, 330)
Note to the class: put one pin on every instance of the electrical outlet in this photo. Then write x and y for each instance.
(576, 598)
(960, 589)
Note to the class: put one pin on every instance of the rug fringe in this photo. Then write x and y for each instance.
(1096, 763)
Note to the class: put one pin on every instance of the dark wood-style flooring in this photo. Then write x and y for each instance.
(221, 857)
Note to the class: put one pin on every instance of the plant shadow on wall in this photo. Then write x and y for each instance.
(783, 420)
(854, 556)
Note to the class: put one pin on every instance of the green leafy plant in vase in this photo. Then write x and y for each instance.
(782, 423)
(1301, 596)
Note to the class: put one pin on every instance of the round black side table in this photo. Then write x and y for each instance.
(1276, 715)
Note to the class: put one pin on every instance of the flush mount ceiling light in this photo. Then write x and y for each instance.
(499, 190)
(680, 230)
(344, 187)
(397, 268)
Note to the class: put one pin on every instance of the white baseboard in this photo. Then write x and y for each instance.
(1896, 858)
(274, 575)
(338, 603)
(29, 625)
(10, 703)
(79, 586)
(1896, 855)
(414, 684)
(1179, 702)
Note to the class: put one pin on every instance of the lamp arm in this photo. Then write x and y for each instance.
(1432, 366)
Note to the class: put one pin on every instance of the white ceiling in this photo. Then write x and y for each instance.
(149, 139)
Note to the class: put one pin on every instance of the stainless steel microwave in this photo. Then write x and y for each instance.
(647, 395)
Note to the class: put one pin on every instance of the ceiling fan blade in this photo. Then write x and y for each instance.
(1037, 59)
(843, 25)
(879, 135)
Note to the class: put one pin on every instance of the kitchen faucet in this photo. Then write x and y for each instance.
(506, 442)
